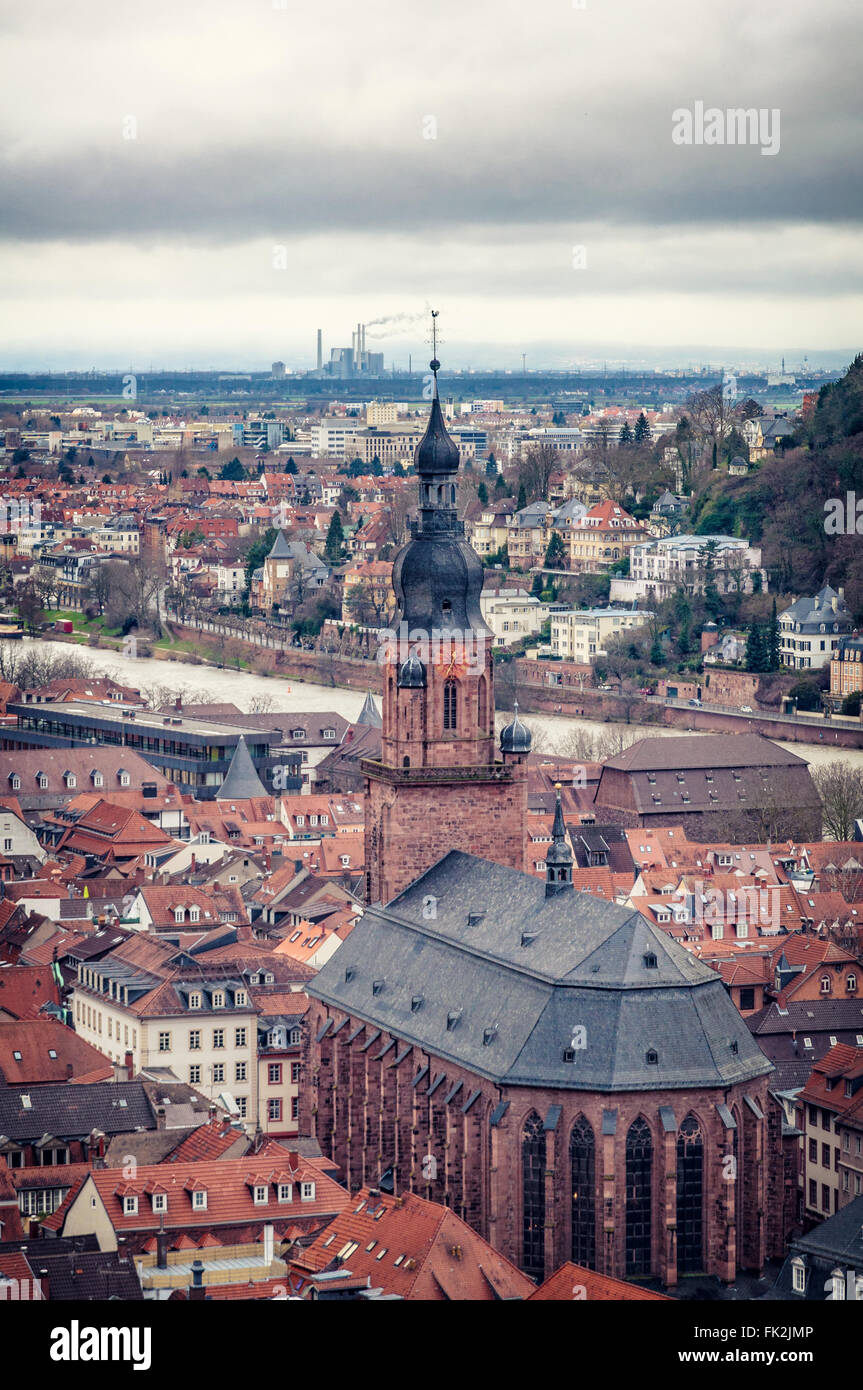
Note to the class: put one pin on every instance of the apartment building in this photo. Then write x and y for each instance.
(204, 1030)
(833, 1114)
(604, 534)
(660, 567)
(846, 669)
(581, 634)
(512, 614)
(811, 629)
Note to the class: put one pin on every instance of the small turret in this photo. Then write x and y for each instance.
(558, 861)
(516, 737)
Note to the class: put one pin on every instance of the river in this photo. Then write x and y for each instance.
(197, 684)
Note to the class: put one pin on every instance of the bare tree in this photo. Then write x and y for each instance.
(840, 788)
(536, 471)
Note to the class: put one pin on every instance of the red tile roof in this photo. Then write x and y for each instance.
(24, 989)
(414, 1248)
(571, 1284)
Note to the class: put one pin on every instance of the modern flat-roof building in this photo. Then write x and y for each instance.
(194, 753)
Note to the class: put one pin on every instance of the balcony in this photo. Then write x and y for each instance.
(405, 776)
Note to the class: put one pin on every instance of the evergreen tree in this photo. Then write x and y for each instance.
(482, 494)
(536, 586)
(290, 466)
(555, 555)
(500, 487)
(625, 436)
(491, 466)
(233, 471)
(656, 657)
(642, 429)
(522, 498)
(755, 655)
(712, 601)
(335, 540)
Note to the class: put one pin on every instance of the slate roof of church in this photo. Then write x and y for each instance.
(241, 780)
(502, 995)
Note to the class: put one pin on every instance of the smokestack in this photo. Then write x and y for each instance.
(196, 1292)
(320, 350)
(359, 342)
(364, 340)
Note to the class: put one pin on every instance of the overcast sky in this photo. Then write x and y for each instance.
(302, 128)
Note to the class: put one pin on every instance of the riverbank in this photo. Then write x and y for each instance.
(553, 731)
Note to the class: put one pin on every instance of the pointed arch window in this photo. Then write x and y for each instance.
(450, 704)
(582, 1164)
(690, 1197)
(533, 1196)
(482, 702)
(639, 1189)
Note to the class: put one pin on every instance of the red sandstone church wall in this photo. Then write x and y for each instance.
(368, 1114)
(409, 828)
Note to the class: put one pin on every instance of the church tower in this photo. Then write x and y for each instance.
(440, 784)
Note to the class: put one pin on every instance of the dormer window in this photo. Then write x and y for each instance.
(218, 999)
(160, 1201)
(329, 733)
(261, 1195)
(298, 733)
(179, 914)
(42, 780)
(194, 913)
(130, 1206)
(16, 782)
(98, 779)
(70, 779)
(240, 998)
(307, 1191)
(194, 1001)
(286, 1190)
(199, 1199)
(124, 778)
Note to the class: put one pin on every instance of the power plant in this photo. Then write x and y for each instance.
(350, 362)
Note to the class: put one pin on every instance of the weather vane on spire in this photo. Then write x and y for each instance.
(434, 364)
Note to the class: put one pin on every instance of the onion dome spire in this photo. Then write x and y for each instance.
(436, 453)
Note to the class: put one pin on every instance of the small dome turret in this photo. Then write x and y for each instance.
(412, 674)
(515, 737)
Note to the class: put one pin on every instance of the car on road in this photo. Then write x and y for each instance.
(746, 709)
(696, 704)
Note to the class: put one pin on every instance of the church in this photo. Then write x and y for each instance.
(563, 1075)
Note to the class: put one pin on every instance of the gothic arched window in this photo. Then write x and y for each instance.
(450, 704)
(639, 1191)
(690, 1197)
(533, 1196)
(481, 702)
(582, 1167)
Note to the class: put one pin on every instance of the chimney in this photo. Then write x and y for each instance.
(129, 1063)
(196, 1292)
(70, 1071)
(268, 1245)
(162, 1249)
(193, 864)
(178, 703)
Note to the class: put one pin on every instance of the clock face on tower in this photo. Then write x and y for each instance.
(453, 666)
